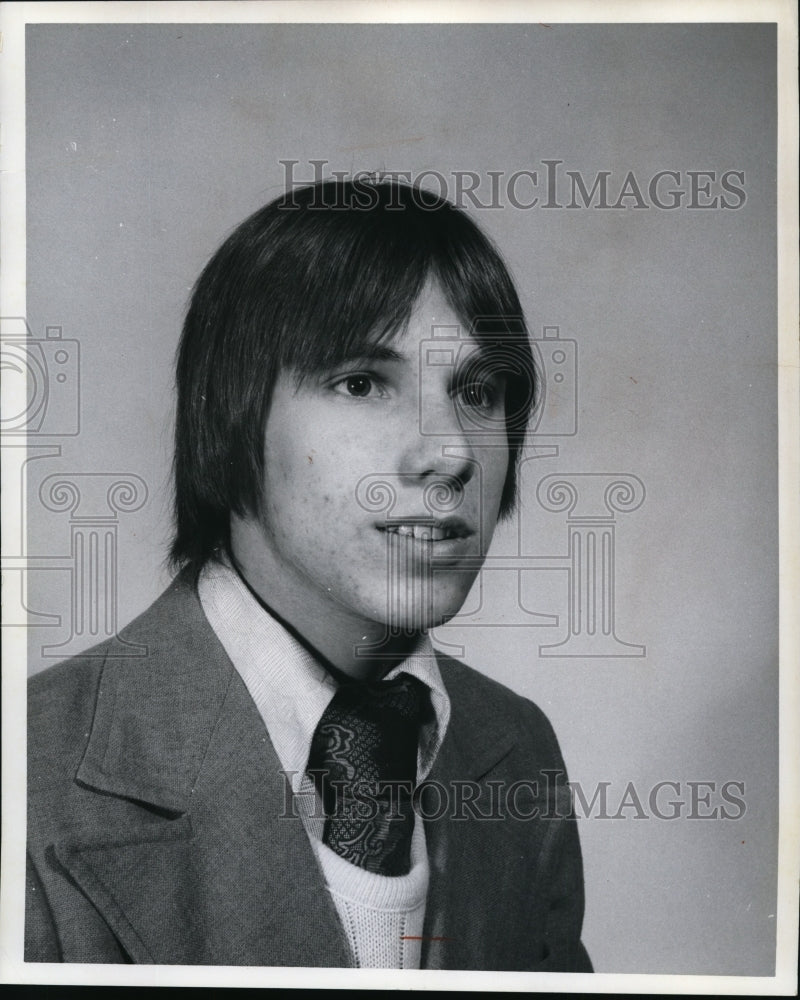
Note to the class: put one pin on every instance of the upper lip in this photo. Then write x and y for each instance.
(435, 528)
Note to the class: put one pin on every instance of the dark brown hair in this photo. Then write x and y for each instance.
(300, 285)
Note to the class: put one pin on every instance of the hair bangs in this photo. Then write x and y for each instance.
(352, 297)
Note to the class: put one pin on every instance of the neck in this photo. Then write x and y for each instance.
(348, 646)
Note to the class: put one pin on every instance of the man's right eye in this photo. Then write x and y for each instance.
(358, 386)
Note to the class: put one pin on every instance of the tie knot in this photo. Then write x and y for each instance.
(380, 700)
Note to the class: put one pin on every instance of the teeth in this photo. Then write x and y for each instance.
(420, 532)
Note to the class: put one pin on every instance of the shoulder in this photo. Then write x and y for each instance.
(61, 703)
(62, 698)
(482, 705)
(162, 618)
(474, 690)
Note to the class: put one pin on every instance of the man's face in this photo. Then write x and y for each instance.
(380, 492)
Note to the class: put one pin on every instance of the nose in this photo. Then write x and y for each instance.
(439, 449)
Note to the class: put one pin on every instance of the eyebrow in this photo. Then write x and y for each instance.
(371, 352)
(374, 352)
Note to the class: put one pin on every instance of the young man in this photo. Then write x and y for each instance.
(291, 775)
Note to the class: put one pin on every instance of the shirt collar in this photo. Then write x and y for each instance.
(290, 687)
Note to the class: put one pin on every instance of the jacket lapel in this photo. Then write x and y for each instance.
(199, 858)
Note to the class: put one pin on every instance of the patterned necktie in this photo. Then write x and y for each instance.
(363, 761)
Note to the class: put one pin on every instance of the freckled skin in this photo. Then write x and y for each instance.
(316, 556)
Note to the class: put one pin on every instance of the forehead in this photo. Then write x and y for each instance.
(432, 308)
(433, 323)
(433, 329)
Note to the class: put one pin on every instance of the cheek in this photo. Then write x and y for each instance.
(307, 501)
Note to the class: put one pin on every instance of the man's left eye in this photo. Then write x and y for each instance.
(479, 395)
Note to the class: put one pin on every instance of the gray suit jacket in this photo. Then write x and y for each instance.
(159, 832)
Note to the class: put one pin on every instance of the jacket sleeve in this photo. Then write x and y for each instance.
(41, 939)
(565, 950)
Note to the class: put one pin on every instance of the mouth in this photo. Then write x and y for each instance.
(427, 530)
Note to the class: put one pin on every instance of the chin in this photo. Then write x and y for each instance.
(419, 616)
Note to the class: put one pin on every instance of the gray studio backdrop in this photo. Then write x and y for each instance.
(656, 452)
